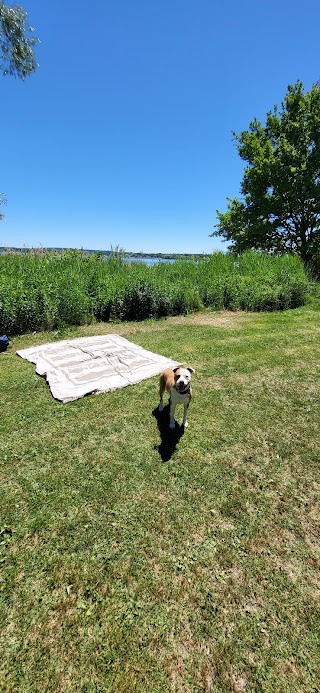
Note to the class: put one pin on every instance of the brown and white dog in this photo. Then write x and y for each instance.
(177, 383)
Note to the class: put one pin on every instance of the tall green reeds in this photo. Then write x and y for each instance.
(44, 290)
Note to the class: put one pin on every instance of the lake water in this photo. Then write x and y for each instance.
(149, 260)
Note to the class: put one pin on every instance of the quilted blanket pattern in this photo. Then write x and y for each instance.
(76, 367)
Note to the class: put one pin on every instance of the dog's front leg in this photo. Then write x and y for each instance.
(172, 410)
(185, 414)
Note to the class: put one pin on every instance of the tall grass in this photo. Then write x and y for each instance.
(44, 290)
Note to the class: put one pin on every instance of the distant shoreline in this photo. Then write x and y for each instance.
(139, 255)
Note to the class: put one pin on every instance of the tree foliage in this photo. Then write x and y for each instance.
(280, 206)
(17, 42)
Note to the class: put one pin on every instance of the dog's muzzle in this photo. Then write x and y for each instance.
(182, 389)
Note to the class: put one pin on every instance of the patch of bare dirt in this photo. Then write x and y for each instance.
(220, 319)
(223, 318)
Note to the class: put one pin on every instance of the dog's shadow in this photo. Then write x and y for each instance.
(169, 437)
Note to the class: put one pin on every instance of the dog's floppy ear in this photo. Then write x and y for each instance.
(191, 370)
(176, 369)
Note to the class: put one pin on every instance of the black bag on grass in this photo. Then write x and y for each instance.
(4, 342)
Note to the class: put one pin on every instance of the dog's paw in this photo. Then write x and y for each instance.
(172, 425)
(185, 424)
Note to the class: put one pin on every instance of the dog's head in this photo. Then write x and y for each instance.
(182, 377)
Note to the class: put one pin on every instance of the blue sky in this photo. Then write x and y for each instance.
(123, 135)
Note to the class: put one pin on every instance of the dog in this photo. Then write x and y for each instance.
(177, 383)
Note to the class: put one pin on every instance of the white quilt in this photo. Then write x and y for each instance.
(76, 367)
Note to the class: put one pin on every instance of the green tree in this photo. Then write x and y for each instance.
(279, 209)
(17, 42)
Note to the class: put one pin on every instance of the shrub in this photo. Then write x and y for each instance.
(43, 290)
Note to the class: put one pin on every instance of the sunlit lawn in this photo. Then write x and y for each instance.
(134, 558)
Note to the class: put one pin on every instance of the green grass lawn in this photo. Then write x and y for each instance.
(134, 558)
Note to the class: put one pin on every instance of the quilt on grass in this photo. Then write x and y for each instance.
(77, 367)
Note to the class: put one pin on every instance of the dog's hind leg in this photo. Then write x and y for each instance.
(161, 391)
